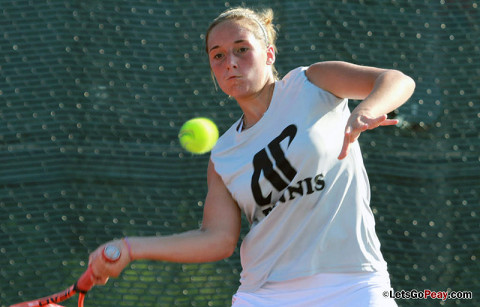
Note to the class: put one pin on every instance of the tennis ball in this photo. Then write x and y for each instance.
(198, 135)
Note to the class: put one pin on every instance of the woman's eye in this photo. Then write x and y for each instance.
(242, 49)
(217, 56)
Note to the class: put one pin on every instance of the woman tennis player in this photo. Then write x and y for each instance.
(293, 165)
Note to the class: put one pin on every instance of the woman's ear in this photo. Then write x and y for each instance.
(270, 55)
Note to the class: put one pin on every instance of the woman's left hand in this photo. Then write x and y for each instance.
(358, 123)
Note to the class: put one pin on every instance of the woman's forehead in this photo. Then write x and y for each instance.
(230, 31)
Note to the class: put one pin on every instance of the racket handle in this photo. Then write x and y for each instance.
(86, 281)
(110, 254)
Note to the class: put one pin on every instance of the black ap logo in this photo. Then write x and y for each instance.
(262, 163)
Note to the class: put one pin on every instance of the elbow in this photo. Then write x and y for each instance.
(401, 83)
(221, 245)
(407, 81)
(226, 246)
(409, 87)
(227, 253)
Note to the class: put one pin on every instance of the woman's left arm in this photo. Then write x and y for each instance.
(382, 91)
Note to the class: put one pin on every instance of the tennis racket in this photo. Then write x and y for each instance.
(82, 286)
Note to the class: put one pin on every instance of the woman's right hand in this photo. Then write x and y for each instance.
(103, 269)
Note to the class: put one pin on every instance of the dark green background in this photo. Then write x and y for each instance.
(93, 93)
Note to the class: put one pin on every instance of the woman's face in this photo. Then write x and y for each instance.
(240, 62)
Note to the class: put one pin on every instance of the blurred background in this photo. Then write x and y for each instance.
(93, 93)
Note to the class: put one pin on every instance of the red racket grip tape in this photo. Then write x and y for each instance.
(86, 281)
(110, 254)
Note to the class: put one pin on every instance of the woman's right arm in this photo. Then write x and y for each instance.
(216, 239)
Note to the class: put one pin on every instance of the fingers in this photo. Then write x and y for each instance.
(351, 135)
(100, 276)
(103, 269)
(358, 124)
(100, 268)
(382, 121)
(95, 254)
(100, 280)
(345, 147)
(389, 122)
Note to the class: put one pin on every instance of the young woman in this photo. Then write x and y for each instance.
(293, 165)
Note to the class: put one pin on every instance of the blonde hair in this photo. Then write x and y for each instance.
(258, 22)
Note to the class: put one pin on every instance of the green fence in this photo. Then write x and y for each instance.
(93, 93)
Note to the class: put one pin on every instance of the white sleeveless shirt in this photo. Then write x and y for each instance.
(309, 212)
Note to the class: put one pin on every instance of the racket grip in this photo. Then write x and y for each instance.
(86, 281)
(110, 254)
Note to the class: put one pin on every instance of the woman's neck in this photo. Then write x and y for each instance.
(253, 108)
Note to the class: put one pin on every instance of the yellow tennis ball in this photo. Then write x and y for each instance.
(198, 135)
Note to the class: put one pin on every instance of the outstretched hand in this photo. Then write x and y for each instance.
(357, 124)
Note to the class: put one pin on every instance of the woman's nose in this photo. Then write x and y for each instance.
(231, 62)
